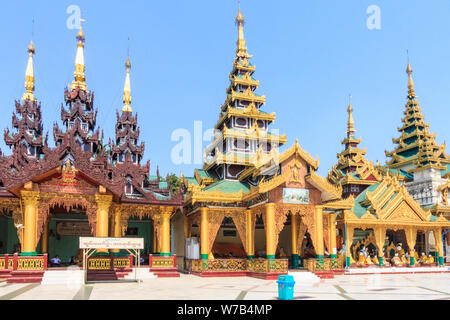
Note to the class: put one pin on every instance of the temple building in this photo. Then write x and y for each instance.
(381, 218)
(251, 210)
(418, 160)
(81, 187)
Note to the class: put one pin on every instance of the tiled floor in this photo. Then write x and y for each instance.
(390, 287)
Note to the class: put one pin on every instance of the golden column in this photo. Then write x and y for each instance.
(165, 231)
(348, 243)
(319, 232)
(294, 240)
(380, 239)
(411, 236)
(155, 240)
(269, 225)
(103, 204)
(250, 235)
(117, 233)
(30, 202)
(44, 236)
(204, 241)
(332, 234)
(438, 243)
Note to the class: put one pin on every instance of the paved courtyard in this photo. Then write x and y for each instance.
(419, 286)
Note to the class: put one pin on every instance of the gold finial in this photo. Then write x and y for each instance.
(127, 89)
(350, 122)
(240, 23)
(410, 80)
(29, 75)
(79, 74)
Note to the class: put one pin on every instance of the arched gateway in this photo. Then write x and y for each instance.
(79, 176)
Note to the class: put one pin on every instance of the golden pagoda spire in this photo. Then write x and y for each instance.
(29, 75)
(240, 23)
(350, 123)
(410, 80)
(79, 75)
(127, 89)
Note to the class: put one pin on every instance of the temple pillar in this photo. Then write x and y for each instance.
(348, 244)
(318, 230)
(411, 236)
(44, 236)
(332, 234)
(117, 231)
(294, 240)
(250, 235)
(30, 202)
(165, 231)
(103, 204)
(438, 243)
(204, 233)
(155, 240)
(269, 225)
(380, 239)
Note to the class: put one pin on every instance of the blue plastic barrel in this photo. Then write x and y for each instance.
(286, 287)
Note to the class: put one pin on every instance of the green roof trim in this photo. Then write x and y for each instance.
(227, 186)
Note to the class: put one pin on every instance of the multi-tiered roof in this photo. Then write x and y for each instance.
(80, 117)
(27, 139)
(353, 171)
(79, 145)
(416, 147)
(242, 142)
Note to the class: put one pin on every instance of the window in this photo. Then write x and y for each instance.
(84, 126)
(128, 186)
(71, 124)
(354, 188)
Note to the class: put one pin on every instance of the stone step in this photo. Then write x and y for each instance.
(24, 280)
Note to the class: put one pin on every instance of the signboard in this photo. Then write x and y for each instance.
(295, 196)
(111, 243)
(73, 228)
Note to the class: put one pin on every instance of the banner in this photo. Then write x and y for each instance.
(73, 228)
(295, 196)
(111, 243)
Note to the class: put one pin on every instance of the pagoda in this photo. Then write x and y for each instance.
(126, 153)
(418, 160)
(353, 171)
(80, 117)
(28, 141)
(243, 148)
(416, 147)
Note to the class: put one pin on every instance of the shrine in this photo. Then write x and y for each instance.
(81, 187)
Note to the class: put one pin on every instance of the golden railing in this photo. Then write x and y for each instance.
(23, 263)
(238, 265)
(326, 264)
(162, 261)
(99, 263)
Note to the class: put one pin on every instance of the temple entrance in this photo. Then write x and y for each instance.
(141, 228)
(61, 232)
(9, 241)
(228, 243)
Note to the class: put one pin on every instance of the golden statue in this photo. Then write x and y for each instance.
(423, 258)
(396, 261)
(430, 259)
(445, 196)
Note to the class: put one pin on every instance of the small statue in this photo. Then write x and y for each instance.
(396, 261)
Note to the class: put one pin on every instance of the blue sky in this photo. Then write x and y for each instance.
(309, 56)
